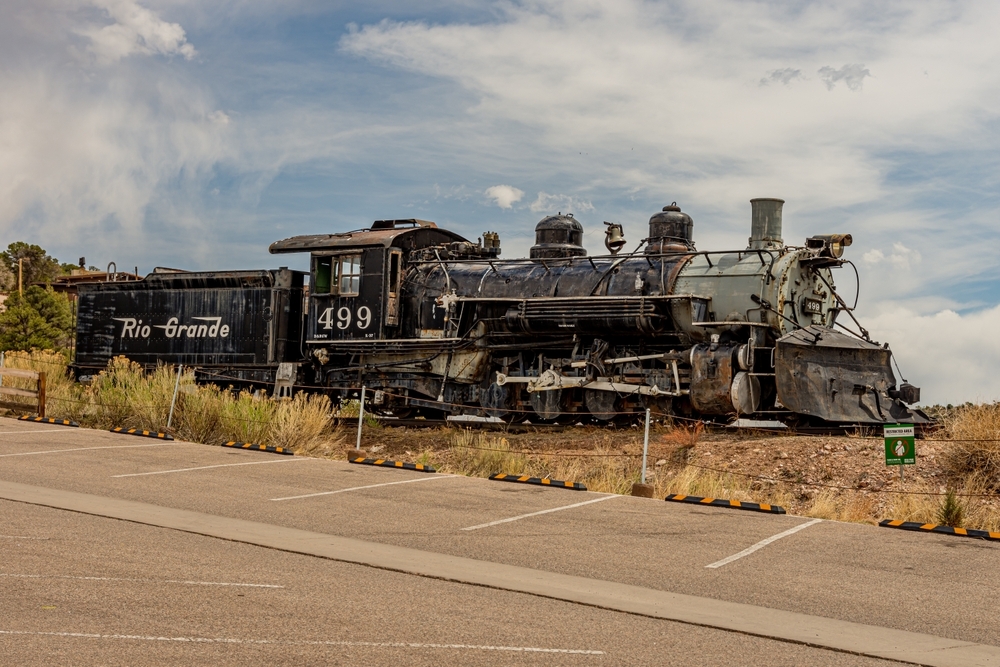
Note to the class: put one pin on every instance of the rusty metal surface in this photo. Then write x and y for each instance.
(711, 378)
(421, 234)
(829, 375)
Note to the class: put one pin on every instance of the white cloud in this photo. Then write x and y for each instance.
(505, 196)
(873, 256)
(952, 357)
(852, 75)
(219, 117)
(546, 203)
(136, 30)
(900, 258)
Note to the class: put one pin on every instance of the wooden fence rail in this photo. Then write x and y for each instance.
(38, 394)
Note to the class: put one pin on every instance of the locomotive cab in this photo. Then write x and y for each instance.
(339, 308)
(356, 278)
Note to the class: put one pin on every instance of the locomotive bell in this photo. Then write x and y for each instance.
(558, 236)
(670, 231)
(614, 237)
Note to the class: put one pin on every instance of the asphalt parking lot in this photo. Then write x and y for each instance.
(113, 591)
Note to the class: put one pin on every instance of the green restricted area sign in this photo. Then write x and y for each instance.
(900, 448)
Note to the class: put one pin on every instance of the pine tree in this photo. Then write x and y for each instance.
(40, 319)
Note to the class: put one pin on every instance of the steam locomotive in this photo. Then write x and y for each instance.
(436, 324)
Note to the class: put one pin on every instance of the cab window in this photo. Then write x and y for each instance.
(350, 274)
(321, 275)
(393, 273)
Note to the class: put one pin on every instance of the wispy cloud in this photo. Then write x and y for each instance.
(852, 75)
(134, 30)
(899, 258)
(783, 76)
(546, 203)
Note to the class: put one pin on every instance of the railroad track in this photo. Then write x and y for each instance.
(527, 427)
(477, 425)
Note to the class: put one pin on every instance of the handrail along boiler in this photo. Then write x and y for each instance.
(439, 325)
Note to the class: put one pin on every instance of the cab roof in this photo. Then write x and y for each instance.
(407, 234)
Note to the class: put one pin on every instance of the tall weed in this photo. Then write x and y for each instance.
(975, 451)
(125, 395)
(64, 396)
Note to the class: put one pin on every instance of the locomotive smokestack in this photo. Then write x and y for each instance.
(765, 226)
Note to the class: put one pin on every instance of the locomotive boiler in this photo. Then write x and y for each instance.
(436, 324)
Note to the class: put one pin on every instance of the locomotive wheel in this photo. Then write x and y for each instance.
(495, 401)
(515, 417)
(603, 405)
(548, 405)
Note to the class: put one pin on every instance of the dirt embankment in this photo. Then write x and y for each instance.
(855, 462)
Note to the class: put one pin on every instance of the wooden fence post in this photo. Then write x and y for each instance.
(41, 394)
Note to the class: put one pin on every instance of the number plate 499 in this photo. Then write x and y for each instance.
(343, 316)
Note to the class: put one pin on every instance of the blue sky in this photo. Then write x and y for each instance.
(192, 135)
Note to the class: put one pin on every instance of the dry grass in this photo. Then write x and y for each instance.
(304, 424)
(836, 505)
(976, 450)
(124, 395)
(691, 481)
(481, 455)
(62, 393)
(602, 470)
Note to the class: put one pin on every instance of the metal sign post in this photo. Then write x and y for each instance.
(361, 416)
(645, 447)
(900, 446)
(173, 401)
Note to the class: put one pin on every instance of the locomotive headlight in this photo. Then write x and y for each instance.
(829, 245)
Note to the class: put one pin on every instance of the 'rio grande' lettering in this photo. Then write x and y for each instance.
(213, 328)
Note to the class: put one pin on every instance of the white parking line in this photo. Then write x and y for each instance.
(21, 537)
(370, 486)
(221, 465)
(84, 449)
(762, 544)
(304, 642)
(29, 432)
(554, 509)
(144, 581)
